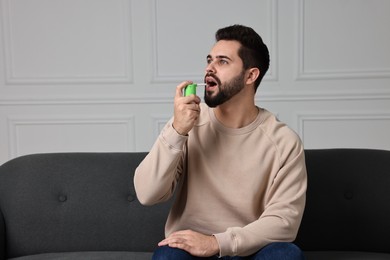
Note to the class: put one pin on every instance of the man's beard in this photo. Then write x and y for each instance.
(225, 91)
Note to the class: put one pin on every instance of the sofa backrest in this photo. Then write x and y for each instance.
(76, 202)
(86, 202)
(348, 201)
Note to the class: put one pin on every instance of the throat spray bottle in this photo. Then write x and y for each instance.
(191, 89)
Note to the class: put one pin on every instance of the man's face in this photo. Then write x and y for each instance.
(224, 73)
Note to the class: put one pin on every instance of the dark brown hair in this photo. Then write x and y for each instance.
(253, 52)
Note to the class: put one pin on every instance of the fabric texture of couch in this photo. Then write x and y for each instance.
(83, 206)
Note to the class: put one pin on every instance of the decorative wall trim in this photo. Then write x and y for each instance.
(263, 96)
(159, 121)
(16, 122)
(272, 74)
(12, 79)
(305, 74)
(304, 117)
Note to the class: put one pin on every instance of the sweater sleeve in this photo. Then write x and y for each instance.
(157, 175)
(283, 212)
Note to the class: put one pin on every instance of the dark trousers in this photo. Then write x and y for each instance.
(273, 251)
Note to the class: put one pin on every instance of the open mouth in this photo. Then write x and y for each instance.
(211, 82)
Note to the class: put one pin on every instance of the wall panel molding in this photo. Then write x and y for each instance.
(159, 121)
(173, 77)
(304, 72)
(344, 129)
(30, 134)
(29, 61)
(102, 72)
(264, 96)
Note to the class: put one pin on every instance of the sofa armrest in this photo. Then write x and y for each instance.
(2, 237)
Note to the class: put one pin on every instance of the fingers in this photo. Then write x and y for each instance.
(193, 242)
(179, 92)
(193, 106)
(175, 239)
(180, 87)
(186, 110)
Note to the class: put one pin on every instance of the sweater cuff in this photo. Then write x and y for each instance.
(226, 244)
(171, 137)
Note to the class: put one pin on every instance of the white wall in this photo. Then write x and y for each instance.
(100, 75)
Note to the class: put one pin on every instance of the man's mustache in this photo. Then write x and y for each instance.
(212, 75)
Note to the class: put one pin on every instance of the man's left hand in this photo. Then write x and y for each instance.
(195, 243)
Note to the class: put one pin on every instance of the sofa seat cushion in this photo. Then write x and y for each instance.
(345, 255)
(89, 256)
(310, 255)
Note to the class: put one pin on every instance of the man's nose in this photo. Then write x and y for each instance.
(210, 68)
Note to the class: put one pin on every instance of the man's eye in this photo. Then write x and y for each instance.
(223, 62)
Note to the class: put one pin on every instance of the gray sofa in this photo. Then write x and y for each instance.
(83, 206)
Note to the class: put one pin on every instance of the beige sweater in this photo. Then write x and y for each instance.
(246, 186)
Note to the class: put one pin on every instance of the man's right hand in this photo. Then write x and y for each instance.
(186, 110)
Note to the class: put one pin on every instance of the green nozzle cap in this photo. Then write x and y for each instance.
(190, 89)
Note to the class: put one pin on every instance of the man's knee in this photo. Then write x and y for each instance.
(170, 253)
(280, 250)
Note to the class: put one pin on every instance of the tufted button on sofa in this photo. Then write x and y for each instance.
(81, 206)
(347, 213)
(75, 206)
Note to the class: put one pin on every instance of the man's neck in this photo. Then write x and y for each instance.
(236, 115)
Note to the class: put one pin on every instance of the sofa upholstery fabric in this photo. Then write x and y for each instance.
(76, 202)
(75, 206)
(348, 201)
(345, 255)
(88, 256)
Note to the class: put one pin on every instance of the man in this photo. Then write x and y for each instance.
(239, 174)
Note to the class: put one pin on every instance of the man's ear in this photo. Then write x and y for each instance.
(252, 75)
